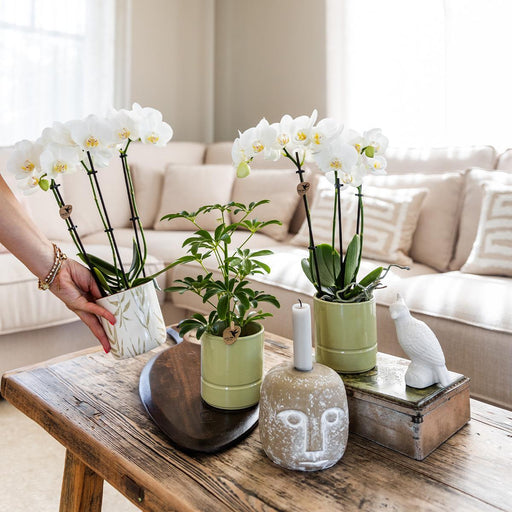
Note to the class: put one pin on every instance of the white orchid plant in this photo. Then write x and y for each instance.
(345, 157)
(88, 145)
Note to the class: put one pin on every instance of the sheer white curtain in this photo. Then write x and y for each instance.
(56, 63)
(428, 72)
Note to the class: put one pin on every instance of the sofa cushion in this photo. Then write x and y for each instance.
(24, 307)
(188, 187)
(492, 250)
(279, 187)
(390, 218)
(471, 209)
(435, 235)
(166, 246)
(504, 161)
(288, 282)
(439, 160)
(148, 165)
(482, 301)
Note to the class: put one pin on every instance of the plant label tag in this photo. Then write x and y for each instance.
(231, 334)
(303, 187)
(65, 211)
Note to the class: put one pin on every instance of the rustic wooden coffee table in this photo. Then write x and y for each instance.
(90, 404)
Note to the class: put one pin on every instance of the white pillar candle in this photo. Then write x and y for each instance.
(302, 344)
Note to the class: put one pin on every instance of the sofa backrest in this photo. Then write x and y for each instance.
(439, 160)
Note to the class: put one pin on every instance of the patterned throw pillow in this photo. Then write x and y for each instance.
(492, 250)
(390, 219)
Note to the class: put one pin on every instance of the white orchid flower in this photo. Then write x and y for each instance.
(95, 136)
(33, 183)
(376, 165)
(240, 161)
(326, 130)
(57, 159)
(340, 157)
(376, 140)
(58, 133)
(124, 125)
(295, 135)
(24, 159)
(152, 129)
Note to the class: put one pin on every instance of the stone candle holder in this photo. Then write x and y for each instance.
(303, 417)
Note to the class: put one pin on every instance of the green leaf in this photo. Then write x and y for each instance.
(329, 265)
(371, 277)
(352, 259)
(306, 268)
(223, 307)
(102, 280)
(369, 151)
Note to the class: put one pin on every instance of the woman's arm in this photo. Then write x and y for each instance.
(74, 284)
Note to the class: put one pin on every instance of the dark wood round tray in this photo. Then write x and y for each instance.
(169, 388)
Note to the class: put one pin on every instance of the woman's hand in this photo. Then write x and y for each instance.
(75, 286)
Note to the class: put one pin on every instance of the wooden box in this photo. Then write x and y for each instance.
(411, 421)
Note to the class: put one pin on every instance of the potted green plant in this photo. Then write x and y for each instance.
(344, 305)
(231, 335)
(88, 145)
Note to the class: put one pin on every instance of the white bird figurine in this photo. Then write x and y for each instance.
(421, 346)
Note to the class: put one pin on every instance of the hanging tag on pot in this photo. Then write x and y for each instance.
(303, 188)
(65, 211)
(231, 334)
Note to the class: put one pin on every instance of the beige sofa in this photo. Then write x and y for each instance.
(469, 311)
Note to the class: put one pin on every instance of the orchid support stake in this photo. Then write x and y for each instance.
(312, 247)
(74, 233)
(340, 228)
(135, 219)
(110, 229)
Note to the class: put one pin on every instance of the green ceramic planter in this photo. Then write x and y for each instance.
(346, 335)
(231, 375)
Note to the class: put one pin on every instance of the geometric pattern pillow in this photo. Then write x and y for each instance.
(390, 219)
(492, 251)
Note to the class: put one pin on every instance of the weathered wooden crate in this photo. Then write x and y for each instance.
(411, 421)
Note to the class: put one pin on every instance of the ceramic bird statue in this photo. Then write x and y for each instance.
(421, 346)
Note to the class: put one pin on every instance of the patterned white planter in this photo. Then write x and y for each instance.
(139, 322)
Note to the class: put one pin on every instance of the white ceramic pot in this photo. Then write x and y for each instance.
(139, 323)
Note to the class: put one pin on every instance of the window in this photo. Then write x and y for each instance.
(57, 63)
(428, 72)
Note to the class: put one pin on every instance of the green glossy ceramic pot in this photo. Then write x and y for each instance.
(231, 375)
(346, 335)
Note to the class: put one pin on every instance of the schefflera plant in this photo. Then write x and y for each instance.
(232, 299)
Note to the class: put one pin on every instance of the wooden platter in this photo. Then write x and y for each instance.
(169, 388)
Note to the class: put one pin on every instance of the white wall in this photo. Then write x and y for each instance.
(269, 60)
(171, 63)
(216, 66)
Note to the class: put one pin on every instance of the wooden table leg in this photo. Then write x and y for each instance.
(82, 488)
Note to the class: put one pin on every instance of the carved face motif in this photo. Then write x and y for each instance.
(303, 421)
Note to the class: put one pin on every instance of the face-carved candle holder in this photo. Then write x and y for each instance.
(303, 417)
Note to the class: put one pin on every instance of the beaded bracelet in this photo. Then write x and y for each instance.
(59, 257)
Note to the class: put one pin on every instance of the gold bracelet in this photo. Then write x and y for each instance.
(59, 257)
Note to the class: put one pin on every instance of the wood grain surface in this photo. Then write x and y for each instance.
(90, 404)
(170, 390)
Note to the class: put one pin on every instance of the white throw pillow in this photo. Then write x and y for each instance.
(390, 219)
(277, 185)
(434, 239)
(492, 251)
(471, 210)
(187, 188)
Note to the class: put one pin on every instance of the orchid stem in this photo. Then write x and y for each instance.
(74, 234)
(135, 219)
(109, 229)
